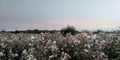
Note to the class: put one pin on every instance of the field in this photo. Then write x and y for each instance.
(55, 46)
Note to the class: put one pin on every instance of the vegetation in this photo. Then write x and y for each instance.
(35, 31)
(52, 45)
(55, 46)
(69, 29)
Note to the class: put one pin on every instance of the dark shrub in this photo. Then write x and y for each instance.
(69, 29)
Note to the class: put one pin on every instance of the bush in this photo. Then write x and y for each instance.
(69, 29)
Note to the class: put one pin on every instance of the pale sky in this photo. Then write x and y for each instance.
(56, 14)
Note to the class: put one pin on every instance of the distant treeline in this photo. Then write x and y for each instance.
(64, 31)
(35, 31)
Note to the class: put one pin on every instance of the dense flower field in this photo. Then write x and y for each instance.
(55, 46)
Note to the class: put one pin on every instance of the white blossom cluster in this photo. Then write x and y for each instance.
(55, 46)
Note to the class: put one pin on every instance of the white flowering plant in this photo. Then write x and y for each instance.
(55, 46)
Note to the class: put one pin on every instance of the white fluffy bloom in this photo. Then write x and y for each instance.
(31, 57)
(89, 46)
(79, 42)
(49, 42)
(54, 42)
(5, 38)
(41, 33)
(1, 54)
(50, 57)
(86, 50)
(103, 41)
(25, 52)
(102, 54)
(65, 56)
(32, 37)
(42, 38)
(31, 50)
(3, 45)
(15, 55)
(30, 44)
(54, 48)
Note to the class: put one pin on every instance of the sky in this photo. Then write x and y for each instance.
(56, 14)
